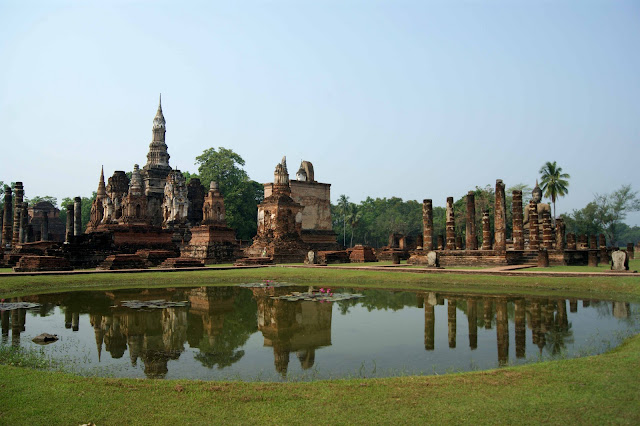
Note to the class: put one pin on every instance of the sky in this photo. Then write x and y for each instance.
(423, 99)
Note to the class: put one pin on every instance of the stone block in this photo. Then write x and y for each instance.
(42, 263)
(619, 261)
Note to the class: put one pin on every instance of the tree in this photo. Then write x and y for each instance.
(554, 182)
(343, 207)
(241, 194)
(353, 218)
(612, 209)
(34, 200)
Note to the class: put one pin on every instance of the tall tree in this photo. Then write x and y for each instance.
(241, 194)
(554, 182)
(354, 216)
(343, 207)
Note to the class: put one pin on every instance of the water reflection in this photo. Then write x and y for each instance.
(218, 322)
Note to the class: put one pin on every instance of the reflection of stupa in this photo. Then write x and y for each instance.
(300, 327)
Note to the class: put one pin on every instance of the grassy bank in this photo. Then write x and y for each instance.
(592, 390)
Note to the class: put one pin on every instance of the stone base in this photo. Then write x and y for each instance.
(329, 257)
(280, 250)
(122, 261)
(182, 262)
(361, 254)
(212, 244)
(155, 257)
(129, 238)
(252, 261)
(390, 254)
(30, 263)
(320, 240)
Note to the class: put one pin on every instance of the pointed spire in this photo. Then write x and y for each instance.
(159, 121)
(102, 191)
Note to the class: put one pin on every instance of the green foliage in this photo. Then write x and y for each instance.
(241, 194)
(605, 214)
(86, 208)
(21, 357)
(37, 199)
(554, 182)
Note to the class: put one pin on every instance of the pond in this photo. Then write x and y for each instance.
(234, 332)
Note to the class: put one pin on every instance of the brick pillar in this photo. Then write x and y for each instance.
(593, 242)
(44, 229)
(19, 191)
(7, 219)
(486, 231)
(547, 233)
(69, 232)
(534, 242)
(500, 218)
(560, 229)
(427, 225)
(631, 250)
(450, 226)
(604, 253)
(440, 242)
(593, 258)
(77, 220)
(24, 221)
(470, 234)
(458, 242)
(543, 258)
(602, 241)
(571, 241)
(518, 218)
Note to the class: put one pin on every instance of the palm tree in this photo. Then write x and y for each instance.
(354, 216)
(554, 182)
(343, 205)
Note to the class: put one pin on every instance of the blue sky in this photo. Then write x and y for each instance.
(409, 99)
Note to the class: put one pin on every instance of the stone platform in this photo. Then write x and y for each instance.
(123, 261)
(361, 254)
(251, 261)
(29, 263)
(182, 262)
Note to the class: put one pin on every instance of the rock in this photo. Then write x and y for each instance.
(45, 338)
(619, 261)
(432, 259)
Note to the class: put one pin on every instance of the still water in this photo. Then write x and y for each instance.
(242, 333)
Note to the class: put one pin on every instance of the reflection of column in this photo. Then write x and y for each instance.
(427, 224)
(621, 310)
(521, 328)
(5, 326)
(67, 318)
(18, 317)
(502, 331)
(562, 319)
(573, 305)
(429, 326)
(451, 321)
(472, 317)
(75, 321)
(488, 313)
(586, 303)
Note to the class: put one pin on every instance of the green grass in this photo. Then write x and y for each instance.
(634, 265)
(600, 389)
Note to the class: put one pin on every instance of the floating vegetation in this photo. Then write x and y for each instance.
(265, 284)
(10, 306)
(318, 296)
(153, 304)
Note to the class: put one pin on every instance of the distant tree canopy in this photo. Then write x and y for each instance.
(241, 194)
(606, 214)
(86, 208)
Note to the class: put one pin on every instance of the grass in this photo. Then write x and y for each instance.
(600, 389)
(634, 265)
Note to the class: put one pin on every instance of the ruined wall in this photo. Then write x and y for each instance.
(315, 197)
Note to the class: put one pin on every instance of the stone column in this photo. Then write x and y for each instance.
(427, 225)
(69, 233)
(470, 233)
(571, 241)
(502, 331)
(24, 221)
(450, 226)
(451, 321)
(472, 318)
(518, 218)
(486, 231)
(7, 220)
(521, 328)
(534, 242)
(593, 242)
(19, 191)
(593, 258)
(77, 220)
(560, 229)
(547, 233)
(440, 242)
(543, 258)
(631, 250)
(458, 242)
(602, 241)
(500, 218)
(44, 229)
